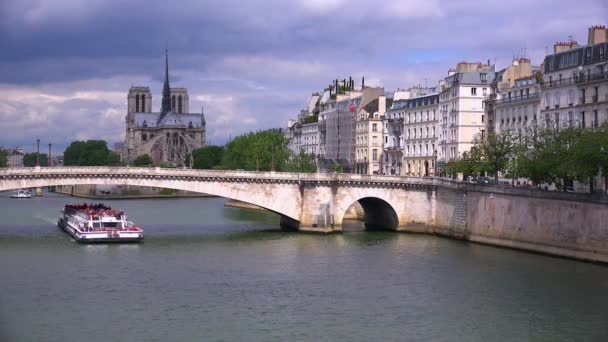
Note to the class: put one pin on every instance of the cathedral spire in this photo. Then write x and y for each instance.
(166, 103)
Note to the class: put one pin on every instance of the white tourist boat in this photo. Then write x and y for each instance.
(20, 193)
(90, 223)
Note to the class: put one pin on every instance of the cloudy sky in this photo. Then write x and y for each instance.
(66, 65)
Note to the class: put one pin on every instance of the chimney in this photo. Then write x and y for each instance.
(597, 34)
(363, 82)
(564, 46)
(382, 104)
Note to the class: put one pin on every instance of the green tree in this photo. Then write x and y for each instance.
(303, 162)
(113, 159)
(337, 168)
(492, 153)
(207, 157)
(467, 164)
(29, 159)
(143, 160)
(3, 158)
(241, 152)
(87, 153)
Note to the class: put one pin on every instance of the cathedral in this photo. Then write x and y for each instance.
(168, 136)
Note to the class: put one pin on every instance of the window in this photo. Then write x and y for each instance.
(137, 103)
(484, 91)
(374, 154)
(143, 102)
(570, 118)
(602, 51)
(375, 127)
(484, 77)
(173, 103)
(473, 91)
(557, 120)
(571, 95)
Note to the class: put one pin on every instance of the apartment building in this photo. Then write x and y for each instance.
(575, 83)
(461, 102)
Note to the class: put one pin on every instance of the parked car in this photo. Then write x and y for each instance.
(483, 180)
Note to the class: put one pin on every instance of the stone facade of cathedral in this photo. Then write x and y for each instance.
(168, 136)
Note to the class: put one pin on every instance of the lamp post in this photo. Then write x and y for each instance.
(435, 164)
(38, 152)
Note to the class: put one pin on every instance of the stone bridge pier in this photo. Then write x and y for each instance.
(387, 205)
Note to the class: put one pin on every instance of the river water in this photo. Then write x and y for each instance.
(211, 273)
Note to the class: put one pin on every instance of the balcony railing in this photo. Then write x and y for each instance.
(559, 83)
(594, 77)
(519, 98)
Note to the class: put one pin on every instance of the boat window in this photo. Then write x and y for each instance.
(111, 224)
(96, 225)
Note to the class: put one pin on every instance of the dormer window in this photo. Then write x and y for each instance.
(144, 124)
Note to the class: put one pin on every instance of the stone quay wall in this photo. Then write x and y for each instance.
(561, 224)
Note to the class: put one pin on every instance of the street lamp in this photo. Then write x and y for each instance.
(38, 153)
(435, 168)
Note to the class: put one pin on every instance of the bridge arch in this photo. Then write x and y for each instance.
(379, 214)
(281, 196)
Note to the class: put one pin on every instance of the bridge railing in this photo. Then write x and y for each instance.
(253, 175)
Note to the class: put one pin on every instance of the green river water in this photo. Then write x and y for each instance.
(211, 273)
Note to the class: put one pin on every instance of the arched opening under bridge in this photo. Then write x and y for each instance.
(376, 213)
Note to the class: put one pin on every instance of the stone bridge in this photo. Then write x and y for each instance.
(571, 225)
(308, 202)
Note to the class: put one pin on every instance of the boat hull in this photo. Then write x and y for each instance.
(100, 237)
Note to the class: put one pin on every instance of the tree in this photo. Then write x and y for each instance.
(207, 157)
(113, 159)
(29, 159)
(143, 160)
(492, 153)
(241, 153)
(303, 162)
(466, 164)
(87, 153)
(3, 158)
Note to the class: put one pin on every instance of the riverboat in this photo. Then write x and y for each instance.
(95, 223)
(20, 193)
